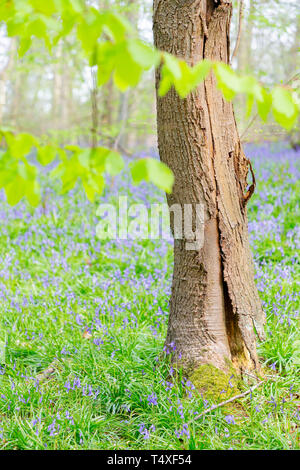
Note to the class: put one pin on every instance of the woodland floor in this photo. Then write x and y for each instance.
(94, 314)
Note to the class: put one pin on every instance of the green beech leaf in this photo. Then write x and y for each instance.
(172, 65)
(33, 192)
(84, 157)
(264, 105)
(127, 71)
(284, 108)
(143, 54)
(114, 163)
(166, 81)
(98, 158)
(90, 190)
(24, 45)
(191, 77)
(45, 7)
(7, 9)
(228, 81)
(88, 32)
(115, 25)
(46, 154)
(154, 171)
(20, 145)
(106, 56)
(15, 190)
(93, 186)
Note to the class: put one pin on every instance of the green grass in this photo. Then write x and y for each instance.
(97, 312)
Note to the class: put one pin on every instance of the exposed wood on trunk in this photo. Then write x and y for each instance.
(214, 302)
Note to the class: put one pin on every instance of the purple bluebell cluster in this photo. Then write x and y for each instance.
(85, 321)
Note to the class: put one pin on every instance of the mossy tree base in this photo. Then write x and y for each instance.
(216, 385)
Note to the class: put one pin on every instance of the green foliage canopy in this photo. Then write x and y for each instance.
(110, 44)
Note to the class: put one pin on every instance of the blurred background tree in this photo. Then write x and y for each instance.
(59, 92)
(269, 45)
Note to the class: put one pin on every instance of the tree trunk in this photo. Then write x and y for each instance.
(214, 305)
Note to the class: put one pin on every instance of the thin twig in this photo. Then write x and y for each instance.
(47, 374)
(238, 39)
(242, 395)
(271, 377)
(249, 125)
(250, 375)
(113, 146)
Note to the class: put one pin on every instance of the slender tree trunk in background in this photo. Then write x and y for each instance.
(4, 76)
(244, 59)
(66, 93)
(57, 87)
(245, 48)
(95, 111)
(214, 304)
(107, 100)
(107, 90)
(122, 118)
(2, 96)
(17, 99)
(62, 96)
(294, 136)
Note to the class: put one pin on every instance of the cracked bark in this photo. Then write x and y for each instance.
(214, 305)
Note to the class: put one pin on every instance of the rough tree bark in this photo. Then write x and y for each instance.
(214, 306)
